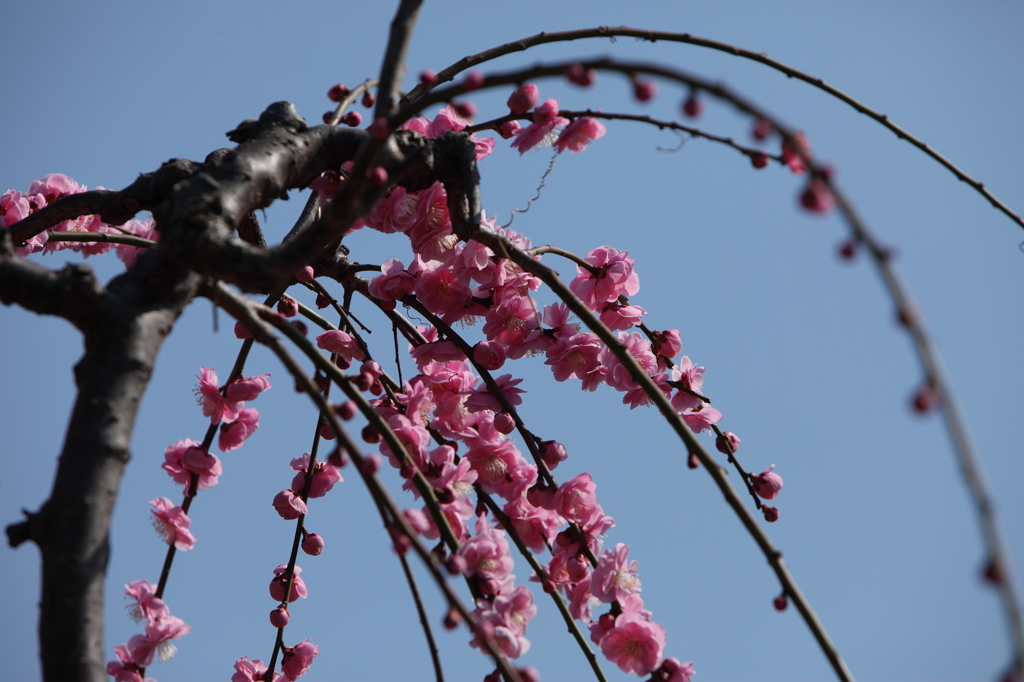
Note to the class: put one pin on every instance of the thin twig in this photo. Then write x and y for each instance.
(760, 57)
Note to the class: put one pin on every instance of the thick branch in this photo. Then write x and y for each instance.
(393, 67)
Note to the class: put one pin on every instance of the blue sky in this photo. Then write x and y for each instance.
(802, 353)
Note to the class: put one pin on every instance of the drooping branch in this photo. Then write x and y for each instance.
(611, 32)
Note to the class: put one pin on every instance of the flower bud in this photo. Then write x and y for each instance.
(337, 93)
(767, 484)
(313, 544)
(346, 411)
(780, 602)
(523, 99)
(241, 332)
(456, 564)
(771, 514)
(474, 80)
(371, 464)
(644, 90)
(727, 442)
(288, 306)
(552, 452)
(489, 355)
(504, 423)
(279, 617)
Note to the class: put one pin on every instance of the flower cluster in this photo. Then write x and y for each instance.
(15, 206)
(161, 628)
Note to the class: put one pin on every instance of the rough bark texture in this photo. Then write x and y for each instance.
(197, 207)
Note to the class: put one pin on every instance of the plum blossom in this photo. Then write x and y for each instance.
(279, 585)
(545, 120)
(325, 476)
(574, 356)
(576, 500)
(146, 606)
(185, 458)
(296, 660)
(394, 283)
(172, 523)
(614, 579)
(234, 434)
(242, 389)
(249, 671)
(289, 505)
(635, 644)
(578, 134)
(487, 552)
(157, 640)
(615, 277)
(125, 669)
(215, 406)
(767, 484)
(340, 343)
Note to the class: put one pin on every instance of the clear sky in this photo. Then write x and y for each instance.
(802, 352)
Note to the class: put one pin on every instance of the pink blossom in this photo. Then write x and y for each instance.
(54, 186)
(289, 505)
(342, 344)
(676, 671)
(431, 231)
(215, 406)
(487, 552)
(614, 579)
(666, 345)
(147, 605)
(497, 464)
(481, 398)
(767, 484)
(172, 523)
(324, 476)
(394, 283)
(619, 317)
(576, 500)
(510, 321)
(297, 659)
(447, 119)
(440, 290)
(394, 213)
(249, 671)
(234, 434)
(639, 347)
(489, 354)
(180, 462)
(574, 356)
(279, 585)
(635, 645)
(242, 389)
(578, 134)
(615, 277)
(690, 377)
(124, 669)
(140, 228)
(702, 417)
(581, 601)
(157, 640)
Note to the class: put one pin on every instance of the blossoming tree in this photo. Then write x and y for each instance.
(410, 367)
